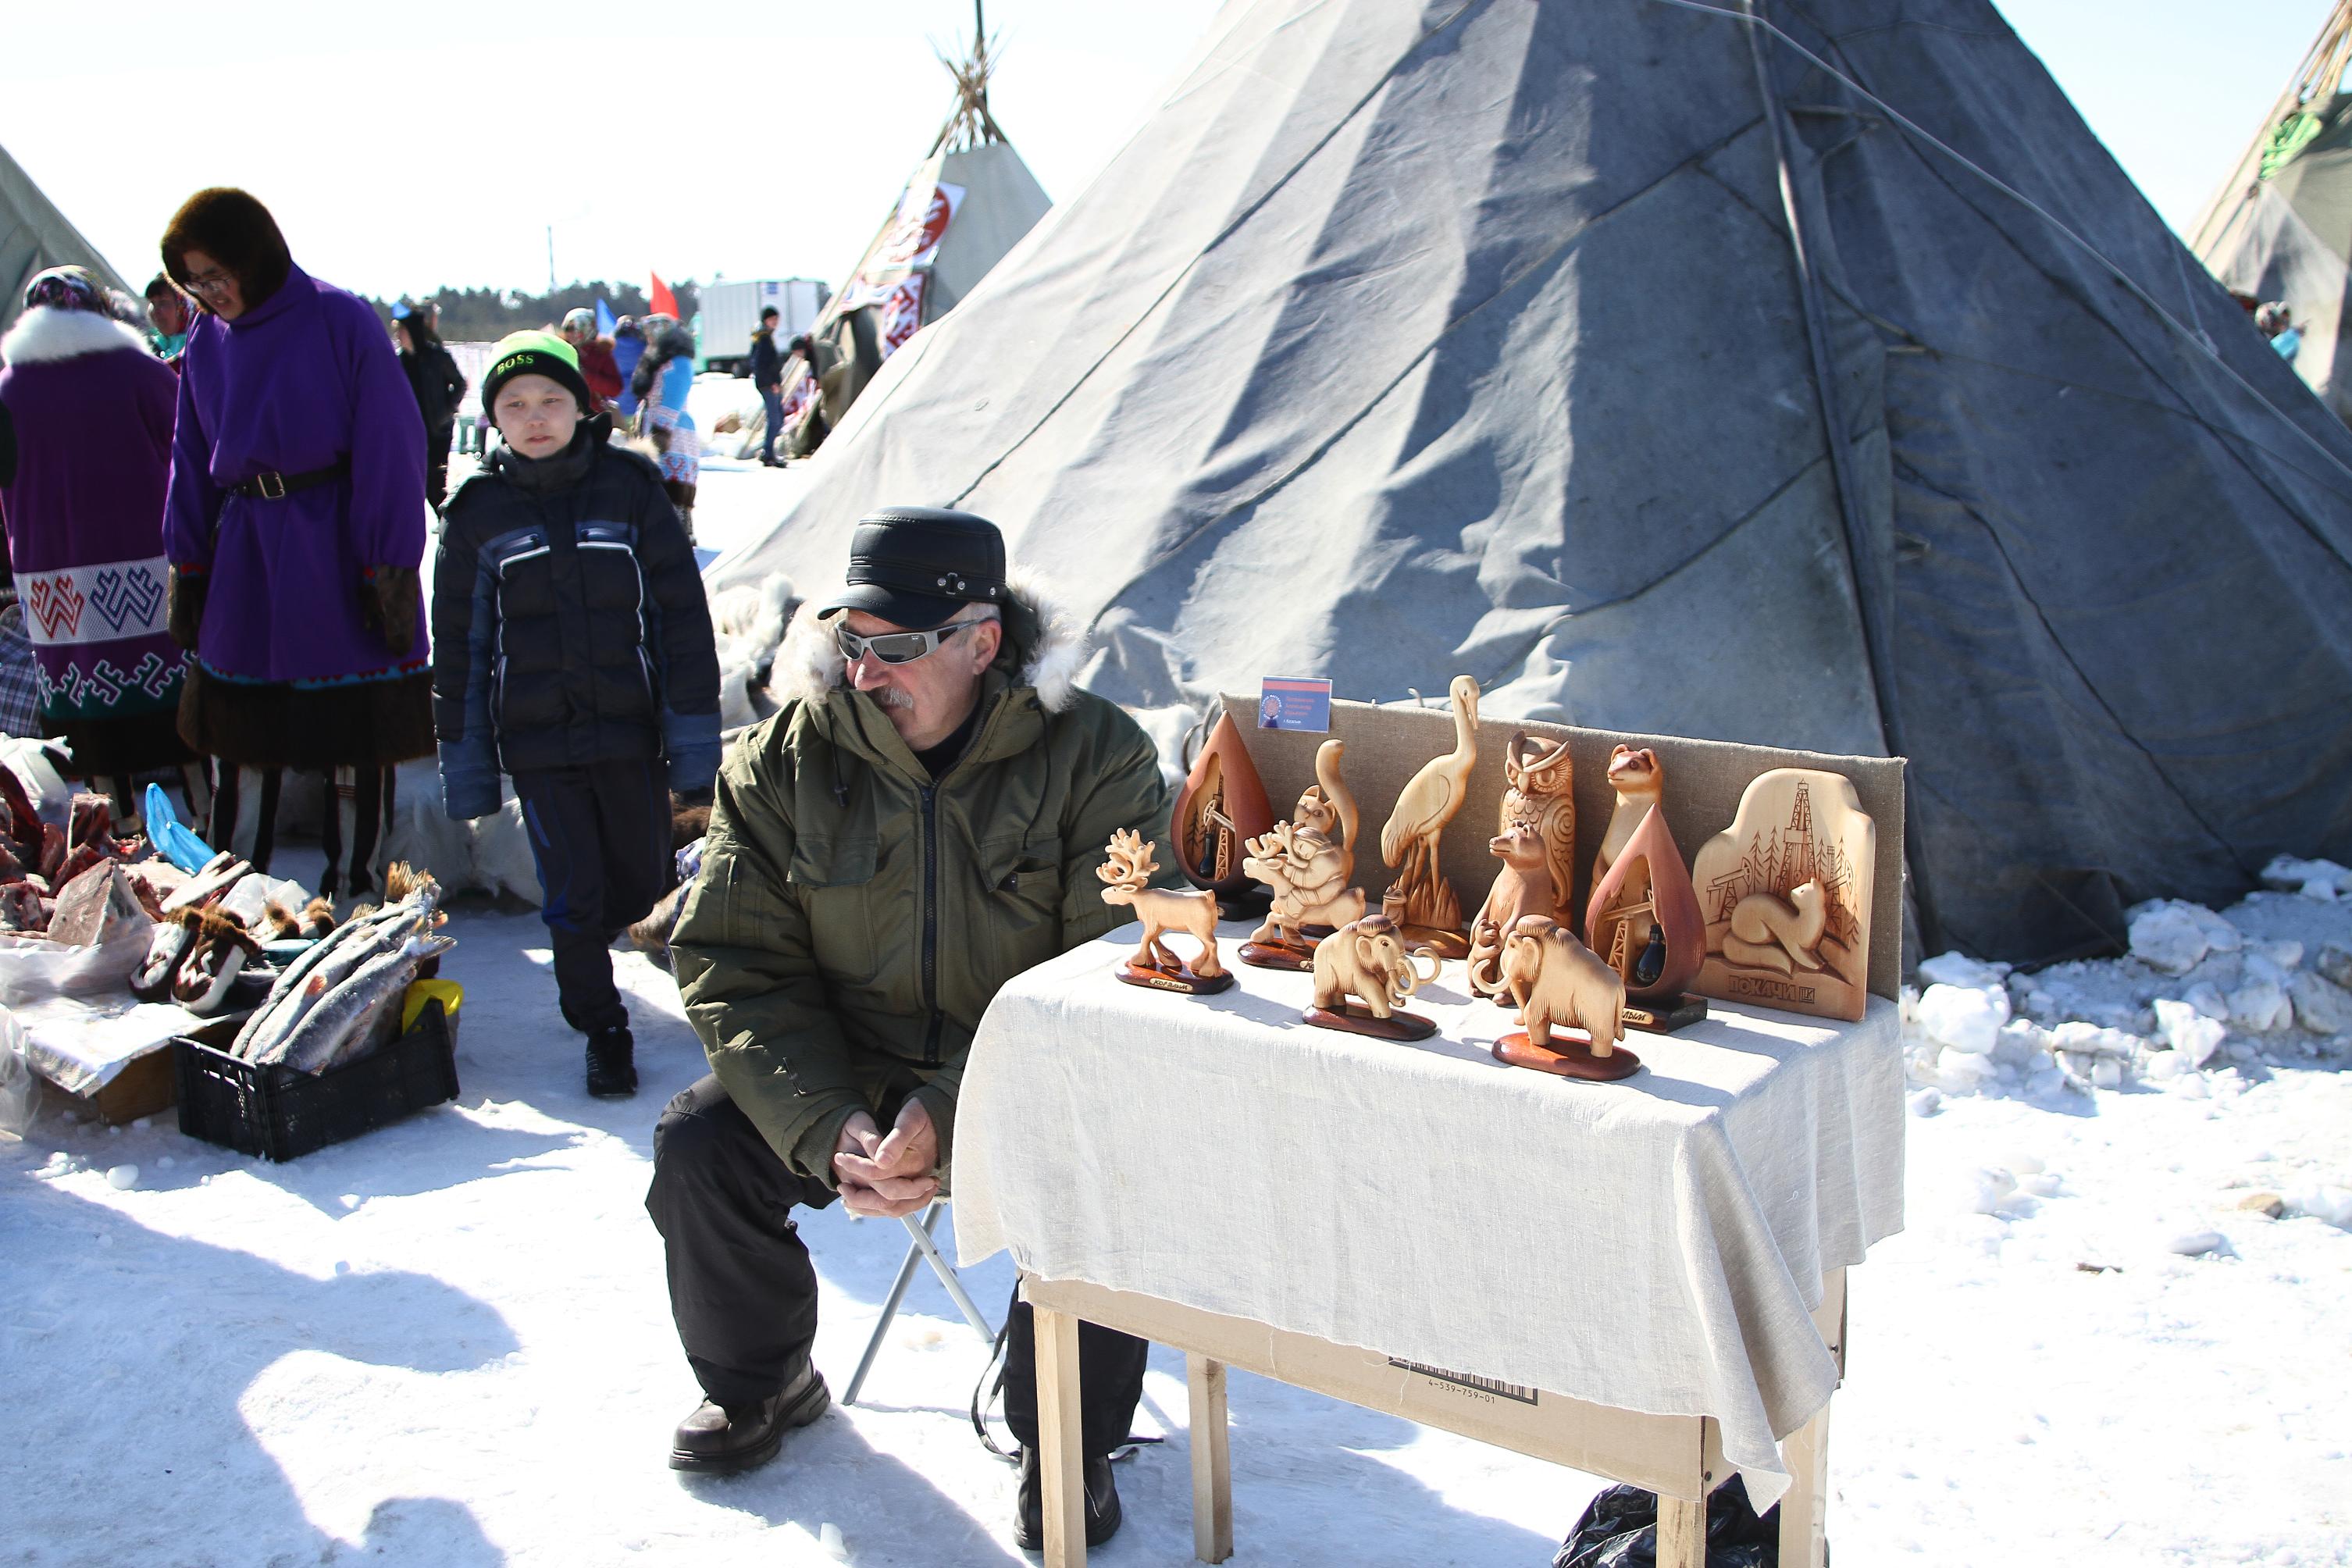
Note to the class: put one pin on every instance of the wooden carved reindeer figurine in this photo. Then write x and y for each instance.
(1126, 877)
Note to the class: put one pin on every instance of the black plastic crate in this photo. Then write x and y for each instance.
(282, 1113)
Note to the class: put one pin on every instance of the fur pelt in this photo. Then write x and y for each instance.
(367, 723)
(46, 334)
(750, 625)
(1043, 643)
(492, 855)
(235, 230)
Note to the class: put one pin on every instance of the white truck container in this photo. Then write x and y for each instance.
(730, 311)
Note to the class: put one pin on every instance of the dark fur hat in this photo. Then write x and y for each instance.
(234, 230)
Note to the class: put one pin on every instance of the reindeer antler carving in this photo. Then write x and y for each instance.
(1131, 861)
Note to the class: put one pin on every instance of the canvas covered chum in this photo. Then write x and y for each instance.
(1492, 312)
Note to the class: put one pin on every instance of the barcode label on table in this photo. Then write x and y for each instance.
(1470, 1381)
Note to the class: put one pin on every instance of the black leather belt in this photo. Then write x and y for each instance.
(277, 487)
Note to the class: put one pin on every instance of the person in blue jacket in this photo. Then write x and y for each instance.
(663, 380)
(628, 347)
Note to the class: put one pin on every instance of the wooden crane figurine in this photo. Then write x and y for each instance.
(1421, 899)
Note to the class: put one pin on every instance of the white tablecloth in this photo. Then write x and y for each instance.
(1655, 1244)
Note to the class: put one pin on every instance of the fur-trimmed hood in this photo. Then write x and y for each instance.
(1045, 647)
(45, 334)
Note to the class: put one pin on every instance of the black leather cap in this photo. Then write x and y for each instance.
(916, 566)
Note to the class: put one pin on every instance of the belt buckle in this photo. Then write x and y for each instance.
(273, 486)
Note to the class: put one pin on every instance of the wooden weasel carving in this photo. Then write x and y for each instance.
(1770, 933)
(1640, 785)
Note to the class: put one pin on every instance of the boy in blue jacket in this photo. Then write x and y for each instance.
(572, 651)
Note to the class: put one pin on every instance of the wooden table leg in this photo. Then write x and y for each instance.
(1061, 1458)
(1212, 1472)
(1682, 1533)
(1804, 1508)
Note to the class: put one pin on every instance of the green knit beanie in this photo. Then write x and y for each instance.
(534, 353)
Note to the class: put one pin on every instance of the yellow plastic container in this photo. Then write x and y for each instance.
(450, 994)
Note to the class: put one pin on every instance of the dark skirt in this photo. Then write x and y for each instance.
(362, 724)
(121, 747)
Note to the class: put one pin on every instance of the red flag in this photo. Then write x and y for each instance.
(661, 302)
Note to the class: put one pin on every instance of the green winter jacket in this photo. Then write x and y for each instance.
(853, 920)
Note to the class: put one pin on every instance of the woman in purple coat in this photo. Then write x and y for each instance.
(295, 524)
(92, 411)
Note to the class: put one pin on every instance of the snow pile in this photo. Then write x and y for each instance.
(2203, 1001)
(2324, 881)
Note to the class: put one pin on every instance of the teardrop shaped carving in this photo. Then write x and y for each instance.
(1222, 806)
(1648, 884)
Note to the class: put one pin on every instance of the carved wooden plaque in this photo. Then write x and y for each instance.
(1786, 892)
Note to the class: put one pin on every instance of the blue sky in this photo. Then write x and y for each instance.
(435, 142)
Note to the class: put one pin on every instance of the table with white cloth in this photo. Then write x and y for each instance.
(1643, 1278)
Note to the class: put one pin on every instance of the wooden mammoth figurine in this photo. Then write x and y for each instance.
(1367, 958)
(1556, 982)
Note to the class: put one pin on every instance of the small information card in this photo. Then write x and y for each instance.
(1294, 702)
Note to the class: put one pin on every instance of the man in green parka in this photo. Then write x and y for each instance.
(917, 825)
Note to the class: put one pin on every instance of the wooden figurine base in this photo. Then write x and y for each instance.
(1181, 980)
(1444, 943)
(1661, 1017)
(1279, 955)
(1570, 1056)
(1356, 1019)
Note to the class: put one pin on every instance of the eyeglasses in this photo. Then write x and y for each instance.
(212, 282)
(895, 648)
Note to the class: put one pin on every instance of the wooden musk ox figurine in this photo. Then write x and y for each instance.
(1556, 982)
(1127, 878)
(1367, 958)
(1421, 899)
(1221, 808)
(1786, 891)
(1523, 886)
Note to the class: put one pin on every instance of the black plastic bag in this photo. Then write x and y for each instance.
(1620, 1529)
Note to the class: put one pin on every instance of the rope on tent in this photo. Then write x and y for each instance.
(2181, 327)
(1877, 638)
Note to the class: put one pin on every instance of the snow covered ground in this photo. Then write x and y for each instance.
(448, 1342)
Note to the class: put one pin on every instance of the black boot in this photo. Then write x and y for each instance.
(719, 1441)
(611, 1063)
(1029, 1505)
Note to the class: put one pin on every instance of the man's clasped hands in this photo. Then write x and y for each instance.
(887, 1175)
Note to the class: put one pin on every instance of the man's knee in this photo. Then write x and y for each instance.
(695, 1139)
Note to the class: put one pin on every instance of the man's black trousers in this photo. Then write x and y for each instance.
(600, 836)
(744, 1294)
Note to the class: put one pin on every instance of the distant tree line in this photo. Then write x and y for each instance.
(486, 315)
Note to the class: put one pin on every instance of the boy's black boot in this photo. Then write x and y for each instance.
(611, 1063)
(1029, 1503)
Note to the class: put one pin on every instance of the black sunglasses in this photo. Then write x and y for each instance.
(895, 648)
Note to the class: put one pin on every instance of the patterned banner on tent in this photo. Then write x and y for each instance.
(797, 398)
(93, 603)
(902, 313)
(923, 219)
